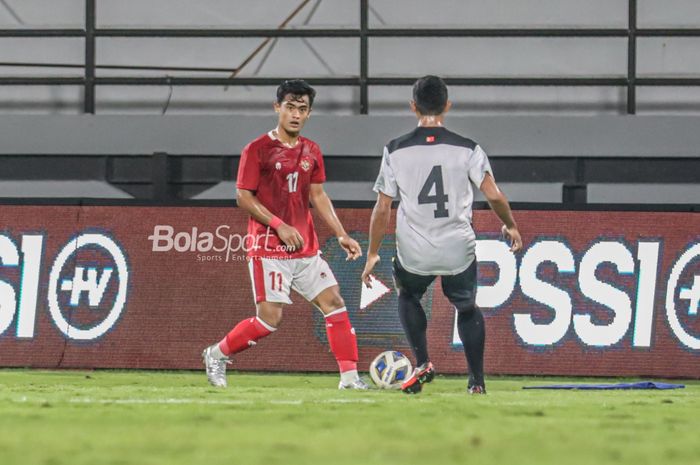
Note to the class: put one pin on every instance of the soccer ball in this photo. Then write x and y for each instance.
(390, 369)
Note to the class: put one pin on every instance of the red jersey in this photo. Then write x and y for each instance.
(281, 178)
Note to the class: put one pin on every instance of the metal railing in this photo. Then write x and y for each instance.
(90, 33)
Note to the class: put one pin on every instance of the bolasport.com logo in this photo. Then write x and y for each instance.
(221, 245)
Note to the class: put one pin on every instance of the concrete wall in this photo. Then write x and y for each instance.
(314, 57)
(573, 160)
(635, 137)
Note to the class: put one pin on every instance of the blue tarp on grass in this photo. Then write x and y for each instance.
(639, 385)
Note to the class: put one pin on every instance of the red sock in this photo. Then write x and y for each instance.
(244, 335)
(341, 338)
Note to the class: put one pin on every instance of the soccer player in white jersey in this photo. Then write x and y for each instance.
(430, 171)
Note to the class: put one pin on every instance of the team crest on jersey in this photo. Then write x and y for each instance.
(305, 164)
(278, 166)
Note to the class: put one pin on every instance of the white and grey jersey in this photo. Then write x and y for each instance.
(429, 170)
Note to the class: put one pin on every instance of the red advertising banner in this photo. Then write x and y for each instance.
(592, 293)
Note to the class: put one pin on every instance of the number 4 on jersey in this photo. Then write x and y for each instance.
(439, 198)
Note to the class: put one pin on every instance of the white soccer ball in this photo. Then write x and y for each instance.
(390, 369)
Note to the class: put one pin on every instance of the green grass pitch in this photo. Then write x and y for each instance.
(137, 417)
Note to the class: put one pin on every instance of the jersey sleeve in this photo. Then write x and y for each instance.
(386, 181)
(248, 169)
(318, 175)
(479, 165)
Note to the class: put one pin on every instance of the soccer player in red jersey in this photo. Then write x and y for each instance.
(279, 173)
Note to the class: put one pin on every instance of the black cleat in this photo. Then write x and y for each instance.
(421, 375)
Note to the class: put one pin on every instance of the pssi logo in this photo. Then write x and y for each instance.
(610, 291)
(86, 291)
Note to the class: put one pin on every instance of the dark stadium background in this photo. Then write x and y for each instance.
(119, 116)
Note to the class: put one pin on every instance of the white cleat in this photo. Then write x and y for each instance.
(359, 384)
(216, 368)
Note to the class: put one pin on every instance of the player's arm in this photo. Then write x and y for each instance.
(288, 234)
(377, 229)
(323, 205)
(499, 204)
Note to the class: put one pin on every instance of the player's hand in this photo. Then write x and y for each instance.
(291, 237)
(512, 235)
(372, 260)
(351, 247)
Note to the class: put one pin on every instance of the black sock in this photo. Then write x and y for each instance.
(470, 325)
(414, 325)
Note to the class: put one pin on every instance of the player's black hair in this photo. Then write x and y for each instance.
(297, 88)
(430, 95)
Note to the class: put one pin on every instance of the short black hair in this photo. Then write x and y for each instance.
(297, 88)
(430, 95)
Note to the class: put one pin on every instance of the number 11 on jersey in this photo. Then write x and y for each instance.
(292, 179)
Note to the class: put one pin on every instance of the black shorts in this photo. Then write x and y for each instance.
(460, 289)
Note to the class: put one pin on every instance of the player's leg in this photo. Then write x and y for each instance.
(341, 336)
(410, 288)
(460, 290)
(248, 332)
(271, 280)
(314, 280)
